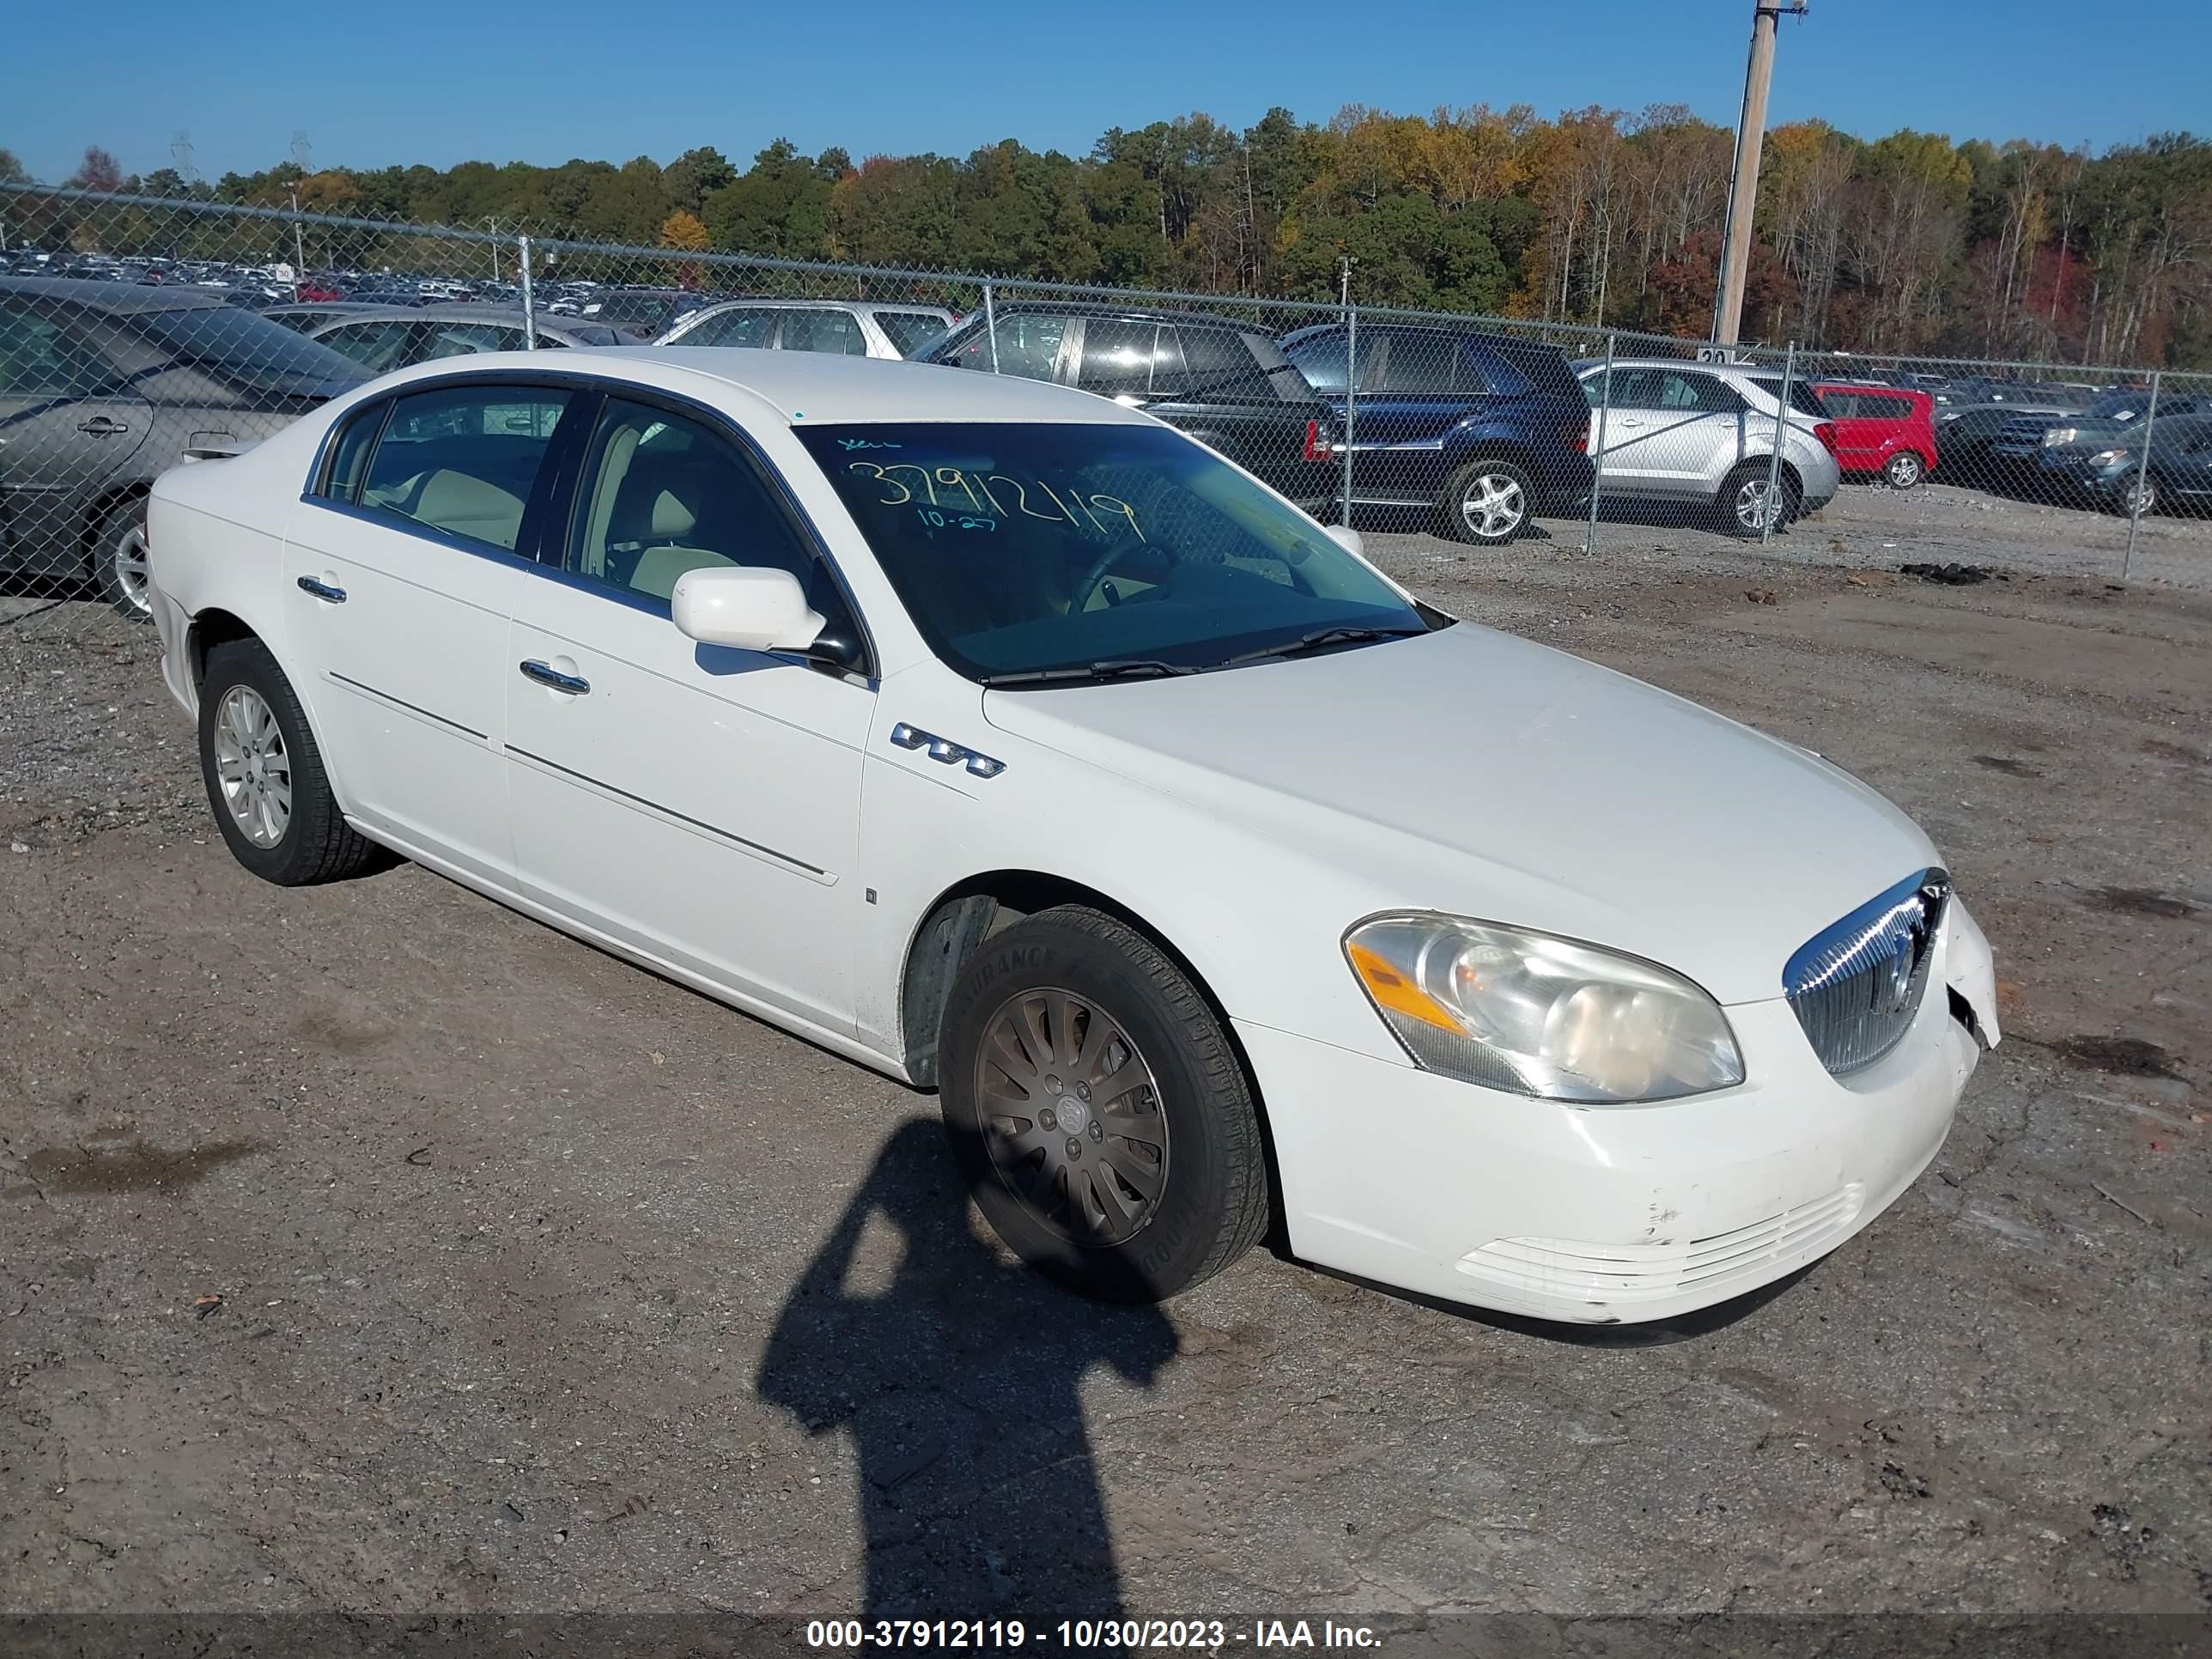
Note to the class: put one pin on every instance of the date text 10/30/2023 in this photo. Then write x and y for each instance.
(1211, 1636)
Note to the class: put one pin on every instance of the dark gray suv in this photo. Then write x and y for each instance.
(104, 386)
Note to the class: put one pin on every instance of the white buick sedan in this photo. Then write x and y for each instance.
(1010, 742)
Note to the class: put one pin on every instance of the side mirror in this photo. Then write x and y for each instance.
(1348, 539)
(748, 607)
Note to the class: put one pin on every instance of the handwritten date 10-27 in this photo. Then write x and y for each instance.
(975, 488)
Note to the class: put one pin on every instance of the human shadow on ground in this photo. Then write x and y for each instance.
(959, 1381)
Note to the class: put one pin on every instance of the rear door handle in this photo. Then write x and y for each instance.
(322, 590)
(102, 427)
(575, 684)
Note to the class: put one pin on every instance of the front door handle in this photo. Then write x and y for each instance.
(322, 590)
(575, 684)
(102, 426)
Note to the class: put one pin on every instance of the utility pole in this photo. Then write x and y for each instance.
(1743, 181)
(299, 248)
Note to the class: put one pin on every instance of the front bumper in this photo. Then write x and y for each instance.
(1616, 1214)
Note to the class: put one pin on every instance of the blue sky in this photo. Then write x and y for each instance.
(400, 80)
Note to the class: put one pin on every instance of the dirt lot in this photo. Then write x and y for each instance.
(546, 1285)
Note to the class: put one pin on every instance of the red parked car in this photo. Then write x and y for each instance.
(1881, 431)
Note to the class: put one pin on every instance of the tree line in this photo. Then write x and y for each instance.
(1908, 243)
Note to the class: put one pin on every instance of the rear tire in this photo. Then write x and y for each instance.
(1742, 504)
(1488, 502)
(118, 561)
(1906, 471)
(264, 776)
(1098, 1110)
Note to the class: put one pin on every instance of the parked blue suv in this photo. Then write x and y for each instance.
(1486, 431)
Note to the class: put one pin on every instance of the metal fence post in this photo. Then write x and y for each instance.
(528, 300)
(1350, 399)
(991, 326)
(2141, 480)
(1597, 449)
(1771, 508)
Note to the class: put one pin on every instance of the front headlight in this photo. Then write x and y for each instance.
(1512, 1009)
(2108, 457)
(2058, 434)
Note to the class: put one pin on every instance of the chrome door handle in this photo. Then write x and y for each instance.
(575, 684)
(101, 427)
(322, 590)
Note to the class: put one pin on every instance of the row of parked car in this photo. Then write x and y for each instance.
(104, 384)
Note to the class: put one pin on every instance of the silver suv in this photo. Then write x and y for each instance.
(1702, 435)
(855, 328)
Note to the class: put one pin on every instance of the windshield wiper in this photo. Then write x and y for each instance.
(1119, 668)
(1320, 639)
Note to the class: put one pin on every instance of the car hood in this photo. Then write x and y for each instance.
(1474, 771)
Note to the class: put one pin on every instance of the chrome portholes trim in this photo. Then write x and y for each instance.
(944, 751)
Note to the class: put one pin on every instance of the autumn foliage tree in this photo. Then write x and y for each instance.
(1593, 217)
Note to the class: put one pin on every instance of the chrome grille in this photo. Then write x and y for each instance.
(1855, 986)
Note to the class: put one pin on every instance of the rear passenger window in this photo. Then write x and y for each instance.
(1117, 358)
(1222, 367)
(1420, 365)
(824, 330)
(732, 328)
(464, 459)
(342, 482)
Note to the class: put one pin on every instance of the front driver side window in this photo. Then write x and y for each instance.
(662, 494)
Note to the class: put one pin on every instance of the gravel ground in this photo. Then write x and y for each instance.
(371, 1247)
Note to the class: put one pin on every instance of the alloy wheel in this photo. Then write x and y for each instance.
(133, 577)
(1903, 472)
(2141, 496)
(252, 767)
(1493, 505)
(1753, 505)
(1070, 1115)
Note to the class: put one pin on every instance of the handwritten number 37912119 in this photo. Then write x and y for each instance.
(983, 502)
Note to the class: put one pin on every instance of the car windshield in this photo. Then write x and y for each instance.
(1098, 551)
(249, 351)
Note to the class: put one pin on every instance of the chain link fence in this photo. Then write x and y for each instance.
(139, 333)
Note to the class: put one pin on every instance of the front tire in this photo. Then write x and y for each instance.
(1488, 503)
(264, 776)
(119, 568)
(2138, 496)
(1099, 1111)
(1906, 471)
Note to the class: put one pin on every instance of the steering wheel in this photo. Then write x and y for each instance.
(1095, 573)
